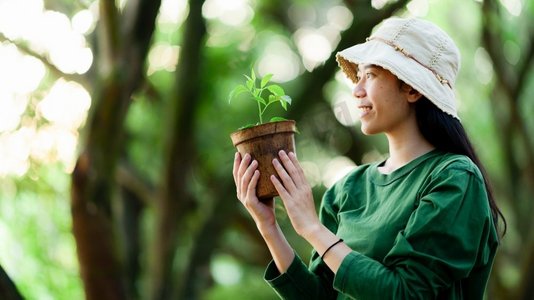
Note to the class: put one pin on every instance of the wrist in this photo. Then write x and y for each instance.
(313, 231)
(269, 230)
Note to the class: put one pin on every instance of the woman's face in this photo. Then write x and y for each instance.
(384, 105)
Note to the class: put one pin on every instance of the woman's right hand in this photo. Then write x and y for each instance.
(246, 178)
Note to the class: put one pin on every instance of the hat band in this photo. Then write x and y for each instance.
(440, 78)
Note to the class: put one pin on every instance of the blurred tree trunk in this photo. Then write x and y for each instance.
(176, 201)
(507, 97)
(130, 210)
(123, 40)
(8, 290)
(196, 277)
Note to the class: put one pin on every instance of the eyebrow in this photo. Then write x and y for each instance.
(370, 66)
(367, 67)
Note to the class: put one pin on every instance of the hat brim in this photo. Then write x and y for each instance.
(375, 52)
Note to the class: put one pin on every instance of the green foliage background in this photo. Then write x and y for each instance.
(37, 247)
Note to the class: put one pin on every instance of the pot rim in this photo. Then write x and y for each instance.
(269, 128)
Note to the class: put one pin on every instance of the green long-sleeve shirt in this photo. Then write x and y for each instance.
(424, 231)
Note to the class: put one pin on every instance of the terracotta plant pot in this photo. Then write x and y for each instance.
(263, 142)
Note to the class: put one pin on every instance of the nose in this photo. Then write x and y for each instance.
(358, 91)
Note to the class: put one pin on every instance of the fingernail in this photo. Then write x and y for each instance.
(275, 161)
(247, 156)
(281, 152)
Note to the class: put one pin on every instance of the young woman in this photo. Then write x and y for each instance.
(423, 223)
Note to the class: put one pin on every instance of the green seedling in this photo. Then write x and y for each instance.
(263, 94)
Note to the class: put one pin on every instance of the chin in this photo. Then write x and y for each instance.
(366, 130)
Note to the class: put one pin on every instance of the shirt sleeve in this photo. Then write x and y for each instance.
(445, 238)
(307, 282)
(298, 282)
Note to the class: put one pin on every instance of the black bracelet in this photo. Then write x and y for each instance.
(331, 246)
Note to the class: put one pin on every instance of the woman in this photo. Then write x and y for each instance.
(423, 223)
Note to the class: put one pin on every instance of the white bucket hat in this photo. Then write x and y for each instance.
(417, 52)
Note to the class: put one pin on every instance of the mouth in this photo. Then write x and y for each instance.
(364, 110)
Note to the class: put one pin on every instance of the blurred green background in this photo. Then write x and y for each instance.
(115, 157)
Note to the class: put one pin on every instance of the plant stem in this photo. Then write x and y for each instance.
(260, 112)
(265, 108)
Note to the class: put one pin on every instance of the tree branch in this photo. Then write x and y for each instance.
(491, 33)
(8, 290)
(525, 67)
(49, 65)
(109, 32)
(128, 178)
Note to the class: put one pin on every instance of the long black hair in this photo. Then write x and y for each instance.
(446, 133)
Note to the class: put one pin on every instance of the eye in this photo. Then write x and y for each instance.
(369, 74)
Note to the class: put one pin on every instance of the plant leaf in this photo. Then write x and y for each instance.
(276, 119)
(247, 126)
(250, 84)
(265, 80)
(276, 89)
(283, 103)
(252, 74)
(236, 92)
(286, 98)
(260, 99)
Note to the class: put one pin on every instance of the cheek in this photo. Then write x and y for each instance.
(382, 92)
(391, 107)
(393, 98)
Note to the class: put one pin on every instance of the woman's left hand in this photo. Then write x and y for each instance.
(295, 193)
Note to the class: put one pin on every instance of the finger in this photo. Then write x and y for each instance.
(293, 157)
(247, 176)
(289, 165)
(284, 176)
(237, 162)
(251, 190)
(243, 165)
(239, 174)
(284, 194)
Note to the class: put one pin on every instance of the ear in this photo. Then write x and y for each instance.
(412, 95)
